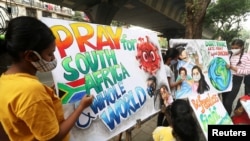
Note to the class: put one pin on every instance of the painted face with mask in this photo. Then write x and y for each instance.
(196, 75)
(43, 65)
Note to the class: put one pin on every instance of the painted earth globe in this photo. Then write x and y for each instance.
(219, 75)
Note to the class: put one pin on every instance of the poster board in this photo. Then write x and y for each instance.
(210, 58)
(111, 63)
(209, 110)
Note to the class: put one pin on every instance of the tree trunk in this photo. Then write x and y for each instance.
(195, 13)
(189, 19)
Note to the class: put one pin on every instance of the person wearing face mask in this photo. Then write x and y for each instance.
(170, 58)
(29, 109)
(240, 66)
(151, 86)
(199, 83)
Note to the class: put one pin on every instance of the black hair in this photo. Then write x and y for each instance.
(203, 86)
(239, 43)
(153, 78)
(152, 87)
(170, 53)
(185, 127)
(180, 47)
(154, 84)
(26, 33)
(164, 86)
(180, 50)
(182, 69)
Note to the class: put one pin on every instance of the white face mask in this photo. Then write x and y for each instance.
(197, 77)
(235, 51)
(43, 65)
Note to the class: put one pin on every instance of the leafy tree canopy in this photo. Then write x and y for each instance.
(244, 34)
(225, 16)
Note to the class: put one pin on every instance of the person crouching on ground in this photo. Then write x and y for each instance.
(182, 125)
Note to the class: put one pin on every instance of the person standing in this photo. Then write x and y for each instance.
(170, 59)
(240, 66)
(29, 109)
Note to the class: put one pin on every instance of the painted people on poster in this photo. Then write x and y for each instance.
(208, 59)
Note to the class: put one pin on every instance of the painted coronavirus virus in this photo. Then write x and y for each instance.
(219, 75)
(148, 56)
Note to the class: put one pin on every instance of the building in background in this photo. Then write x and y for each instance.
(35, 8)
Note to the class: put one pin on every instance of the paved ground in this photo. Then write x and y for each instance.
(143, 133)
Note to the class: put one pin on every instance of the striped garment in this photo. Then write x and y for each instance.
(244, 67)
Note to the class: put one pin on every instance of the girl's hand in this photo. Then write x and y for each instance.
(180, 81)
(232, 67)
(86, 101)
(239, 111)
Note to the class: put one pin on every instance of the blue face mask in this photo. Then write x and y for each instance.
(173, 62)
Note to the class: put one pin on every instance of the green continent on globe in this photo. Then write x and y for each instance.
(218, 74)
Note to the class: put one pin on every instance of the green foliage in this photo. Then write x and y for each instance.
(118, 23)
(78, 16)
(226, 16)
(163, 42)
(244, 34)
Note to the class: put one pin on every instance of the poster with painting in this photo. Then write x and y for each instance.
(202, 67)
(209, 110)
(116, 66)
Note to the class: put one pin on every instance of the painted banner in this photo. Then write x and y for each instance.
(114, 64)
(202, 67)
(209, 110)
